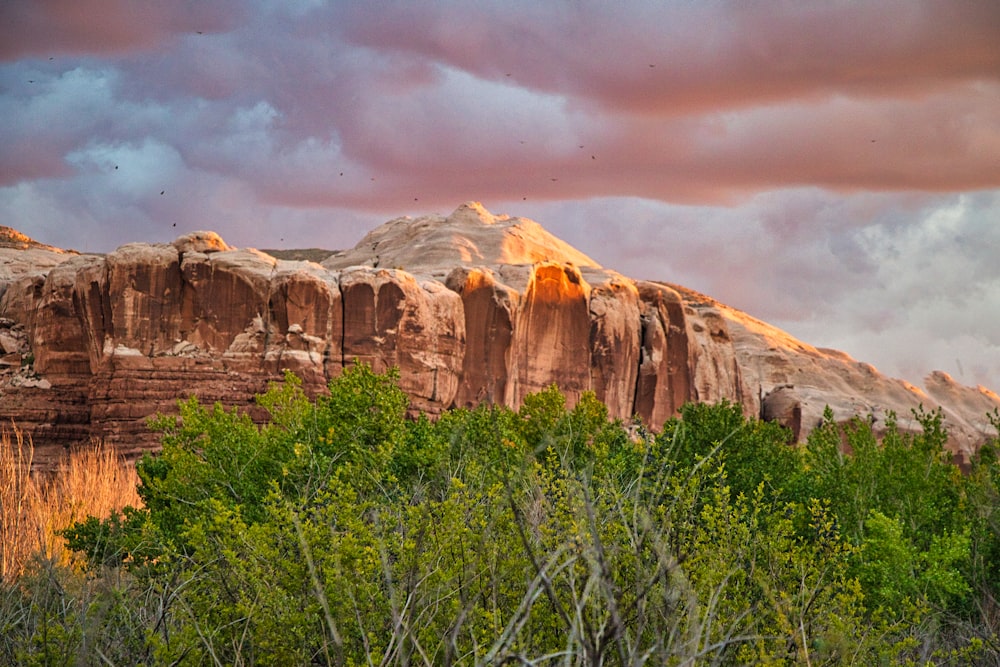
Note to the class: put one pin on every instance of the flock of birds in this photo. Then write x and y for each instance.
(508, 74)
(553, 179)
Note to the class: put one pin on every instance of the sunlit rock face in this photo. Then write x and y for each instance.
(489, 307)
(471, 308)
(471, 236)
(551, 334)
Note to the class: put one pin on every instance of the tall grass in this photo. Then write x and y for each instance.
(34, 507)
(19, 502)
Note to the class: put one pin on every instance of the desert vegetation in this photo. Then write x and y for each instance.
(91, 481)
(341, 533)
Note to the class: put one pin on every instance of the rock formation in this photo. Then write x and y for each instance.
(470, 307)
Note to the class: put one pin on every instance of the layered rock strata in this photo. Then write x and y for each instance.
(471, 308)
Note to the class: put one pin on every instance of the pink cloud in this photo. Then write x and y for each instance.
(667, 59)
(24, 159)
(442, 148)
(46, 27)
(686, 103)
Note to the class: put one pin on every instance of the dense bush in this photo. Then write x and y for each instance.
(342, 533)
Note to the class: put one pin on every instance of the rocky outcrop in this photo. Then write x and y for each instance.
(471, 308)
(792, 382)
(392, 320)
(664, 377)
(470, 236)
(305, 302)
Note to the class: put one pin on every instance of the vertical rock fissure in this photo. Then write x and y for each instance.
(343, 324)
(678, 356)
(186, 324)
(640, 360)
(108, 321)
(267, 319)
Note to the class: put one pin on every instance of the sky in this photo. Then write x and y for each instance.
(831, 167)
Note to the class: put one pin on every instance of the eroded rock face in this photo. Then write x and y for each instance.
(224, 295)
(134, 300)
(57, 334)
(615, 345)
(305, 302)
(714, 369)
(391, 319)
(664, 382)
(488, 309)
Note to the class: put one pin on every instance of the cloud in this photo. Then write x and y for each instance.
(409, 96)
(929, 297)
(680, 58)
(43, 28)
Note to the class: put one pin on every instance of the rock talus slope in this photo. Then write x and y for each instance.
(471, 308)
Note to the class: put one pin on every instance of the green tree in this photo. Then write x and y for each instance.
(342, 533)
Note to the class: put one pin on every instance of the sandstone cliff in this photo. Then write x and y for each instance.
(471, 307)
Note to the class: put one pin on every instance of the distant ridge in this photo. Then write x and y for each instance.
(11, 238)
(299, 254)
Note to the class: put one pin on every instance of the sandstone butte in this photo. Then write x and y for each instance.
(471, 308)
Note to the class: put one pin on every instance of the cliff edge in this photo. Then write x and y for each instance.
(471, 307)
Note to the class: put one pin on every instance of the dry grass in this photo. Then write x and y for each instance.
(19, 502)
(34, 508)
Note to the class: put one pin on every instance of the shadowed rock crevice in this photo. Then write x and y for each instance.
(666, 367)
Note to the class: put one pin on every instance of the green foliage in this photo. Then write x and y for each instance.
(341, 533)
(903, 502)
(208, 453)
(754, 452)
(213, 455)
(110, 542)
(896, 572)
